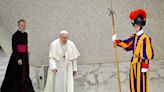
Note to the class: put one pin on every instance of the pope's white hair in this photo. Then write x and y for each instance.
(64, 32)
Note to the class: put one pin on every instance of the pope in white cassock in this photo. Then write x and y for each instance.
(63, 56)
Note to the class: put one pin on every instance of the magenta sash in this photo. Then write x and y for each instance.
(21, 48)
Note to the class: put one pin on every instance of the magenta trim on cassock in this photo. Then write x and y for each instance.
(22, 48)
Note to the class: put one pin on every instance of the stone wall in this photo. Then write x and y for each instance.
(100, 77)
(88, 24)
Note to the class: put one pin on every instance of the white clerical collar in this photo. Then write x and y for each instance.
(140, 32)
(21, 31)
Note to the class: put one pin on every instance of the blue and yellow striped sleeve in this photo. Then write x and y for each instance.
(147, 50)
(127, 44)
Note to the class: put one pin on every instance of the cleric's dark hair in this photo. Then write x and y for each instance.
(21, 20)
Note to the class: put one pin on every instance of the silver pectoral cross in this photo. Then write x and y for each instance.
(64, 56)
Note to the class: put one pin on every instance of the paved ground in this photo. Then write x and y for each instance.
(100, 77)
(3, 64)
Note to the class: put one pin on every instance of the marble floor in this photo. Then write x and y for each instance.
(99, 77)
(3, 65)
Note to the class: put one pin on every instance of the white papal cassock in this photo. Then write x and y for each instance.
(64, 59)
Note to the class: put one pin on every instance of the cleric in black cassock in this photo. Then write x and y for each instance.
(17, 74)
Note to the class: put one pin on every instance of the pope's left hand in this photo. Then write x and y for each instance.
(74, 73)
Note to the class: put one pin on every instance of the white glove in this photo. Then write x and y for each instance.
(144, 70)
(114, 37)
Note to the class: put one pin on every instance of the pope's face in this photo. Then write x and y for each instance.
(22, 26)
(64, 38)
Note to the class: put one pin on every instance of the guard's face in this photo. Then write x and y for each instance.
(137, 27)
(22, 26)
(64, 38)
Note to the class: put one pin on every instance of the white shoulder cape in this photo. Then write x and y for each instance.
(56, 51)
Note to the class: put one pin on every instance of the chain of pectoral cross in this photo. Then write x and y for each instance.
(63, 49)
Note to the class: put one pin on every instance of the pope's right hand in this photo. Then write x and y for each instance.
(54, 70)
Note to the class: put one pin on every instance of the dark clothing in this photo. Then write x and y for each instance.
(17, 76)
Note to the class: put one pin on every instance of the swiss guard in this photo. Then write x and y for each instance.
(140, 44)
